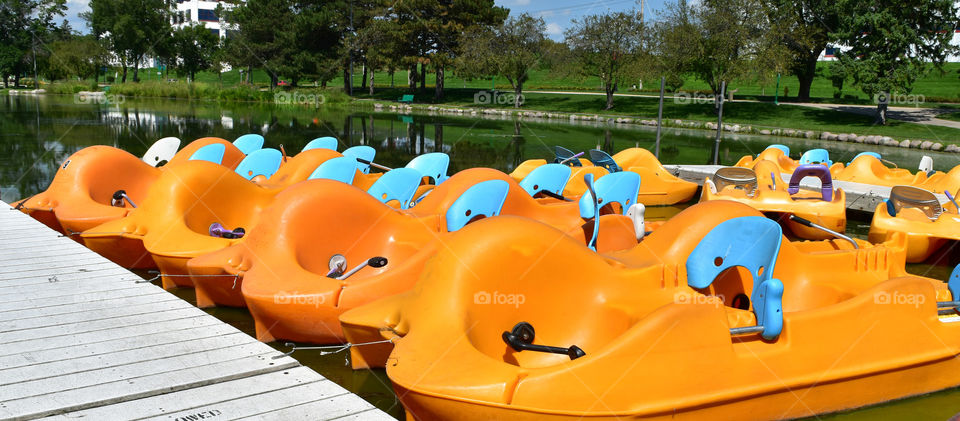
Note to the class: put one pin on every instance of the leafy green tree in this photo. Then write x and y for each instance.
(130, 28)
(510, 50)
(675, 35)
(804, 28)
(25, 26)
(81, 56)
(195, 48)
(894, 42)
(265, 35)
(609, 46)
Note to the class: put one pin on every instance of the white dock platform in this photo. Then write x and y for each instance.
(862, 197)
(79, 338)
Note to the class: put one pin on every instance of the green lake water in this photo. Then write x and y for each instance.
(38, 133)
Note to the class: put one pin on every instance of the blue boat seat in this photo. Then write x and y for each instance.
(263, 162)
(211, 153)
(398, 184)
(482, 199)
(550, 177)
(248, 143)
(953, 283)
(873, 154)
(565, 156)
(325, 142)
(604, 160)
(341, 169)
(751, 242)
(816, 156)
(784, 148)
(433, 165)
(621, 187)
(363, 152)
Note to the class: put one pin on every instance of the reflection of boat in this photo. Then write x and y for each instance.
(917, 214)
(664, 331)
(761, 188)
(82, 193)
(659, 186)
(283, 266)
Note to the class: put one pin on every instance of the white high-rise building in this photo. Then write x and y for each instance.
(187, 12)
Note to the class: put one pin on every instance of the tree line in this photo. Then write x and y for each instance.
(887, 45)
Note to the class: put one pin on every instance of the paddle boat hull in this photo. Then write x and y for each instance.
(856, 329)
(925, 237)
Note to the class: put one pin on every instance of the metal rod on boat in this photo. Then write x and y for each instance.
(746, 330)
(577, 155)
(802, 221)
(372, 164)
(949, 196)
(375, 262)
(663, 82)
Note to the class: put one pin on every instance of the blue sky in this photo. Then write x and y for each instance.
(556, 13)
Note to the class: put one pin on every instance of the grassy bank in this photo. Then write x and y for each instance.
(752, 113)
(208, 92)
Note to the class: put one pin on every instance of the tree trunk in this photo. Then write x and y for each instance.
(805, 74)
(363, 79)
(423, 77)
(438, 95)
(136, 70)
(16, 80)
(518, 94)
(412, 78)
(346, 80)
(273, 80)
(124, 79)
(250, 75)
(371, 82)
(610, 88)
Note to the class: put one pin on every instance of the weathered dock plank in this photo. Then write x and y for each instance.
(81, 338)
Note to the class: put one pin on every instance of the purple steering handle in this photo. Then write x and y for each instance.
(812, 170)
(218, 230)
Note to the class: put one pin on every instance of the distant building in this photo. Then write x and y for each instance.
(187, 12)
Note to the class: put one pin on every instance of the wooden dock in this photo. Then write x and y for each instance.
(81, 338)
(861, 197)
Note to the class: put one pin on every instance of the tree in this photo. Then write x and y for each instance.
(81, 56)
(196, 48)
(25, 26)
(130, 28)
(265, 35)
(510, 50)
(675, 45)
(894, 42)
(609, 46)
(804, 28)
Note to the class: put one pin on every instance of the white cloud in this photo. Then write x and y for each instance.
(553, 29)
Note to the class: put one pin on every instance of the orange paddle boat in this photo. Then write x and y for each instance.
(780, 329)
(816, 215)
(917, 214)
(867, 168)
(175, 221)
(89, 187)
(292, 268)
(659, 186)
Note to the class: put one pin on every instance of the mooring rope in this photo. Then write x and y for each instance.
(329, 349)
(170, 275)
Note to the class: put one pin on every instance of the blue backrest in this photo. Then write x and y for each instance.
(752, 242)
(263, 162)
(363, 152)
(565, 156)
(784, 148)
(484, 198)
(604, 160)
(325, 142)
(873, 154)
(212, 153)
(621, 187)
(398, 184)
(550, 177)
(816, 156)
(341, 168)
(953, 283)
(433, 165)
(248, 143)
